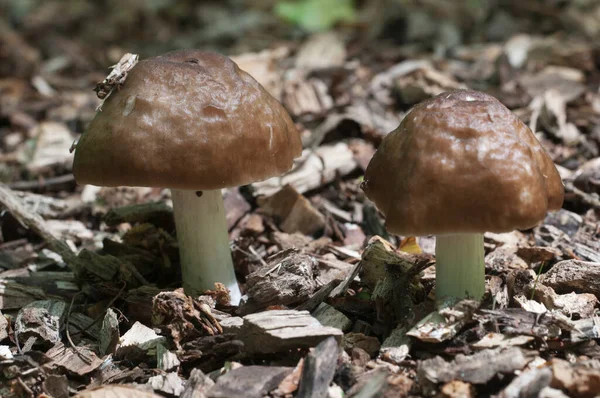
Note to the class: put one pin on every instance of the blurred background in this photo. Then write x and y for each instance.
(363, 62)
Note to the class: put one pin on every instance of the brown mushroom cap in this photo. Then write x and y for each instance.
(462, 162)
(187, 120)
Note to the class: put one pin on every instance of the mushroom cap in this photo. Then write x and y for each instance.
(187, 120)
(462, 162)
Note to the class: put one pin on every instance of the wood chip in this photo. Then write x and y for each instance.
(136, 343)
(79, 361)
(494, 340)
(294, 211)
(528, 384)
(445, 323)
(249, 382)
(3, 327)
(318, 371)
(369, 344)
(41, 321)
(109, 334)
(329, 316)
(476, 369)
(287, 279)
(578, 381)
(117, 391)
(570, 275)
(170, 384)
(282, 330)
(197, 385)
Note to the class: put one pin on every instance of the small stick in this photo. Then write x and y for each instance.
(81, 355)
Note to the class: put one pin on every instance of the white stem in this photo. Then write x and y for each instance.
(203, 242)
(460, 267)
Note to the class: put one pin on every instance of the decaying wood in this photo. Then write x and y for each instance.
(282, 330)
(210, 353)
(184, 317)
(40, 323)
(33, 220)
(287, 279)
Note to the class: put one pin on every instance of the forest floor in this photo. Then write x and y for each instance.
(88, 292)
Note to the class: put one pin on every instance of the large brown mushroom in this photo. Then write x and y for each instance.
(458, 165)
(190, 121)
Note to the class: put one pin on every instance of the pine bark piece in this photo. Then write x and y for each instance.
(476, 369)
(569, 275)
(78, 361)
(445, 323)
(378, 254)
(42, 321)
(282, 330)
(249, 382)
(286, 280)
(318, 371)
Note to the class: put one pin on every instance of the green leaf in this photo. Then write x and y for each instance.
(316, 15)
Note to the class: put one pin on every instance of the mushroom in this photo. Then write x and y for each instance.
(461, 164)
(195, 123)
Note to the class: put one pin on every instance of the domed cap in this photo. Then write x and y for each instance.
(187, 120)
(462, 162)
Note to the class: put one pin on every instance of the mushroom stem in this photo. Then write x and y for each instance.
(460, 267)
(204, 242)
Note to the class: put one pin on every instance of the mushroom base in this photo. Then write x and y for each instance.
(204, 242)
(460, 267)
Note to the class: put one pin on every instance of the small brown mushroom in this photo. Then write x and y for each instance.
(458, 165)
(190, 121)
